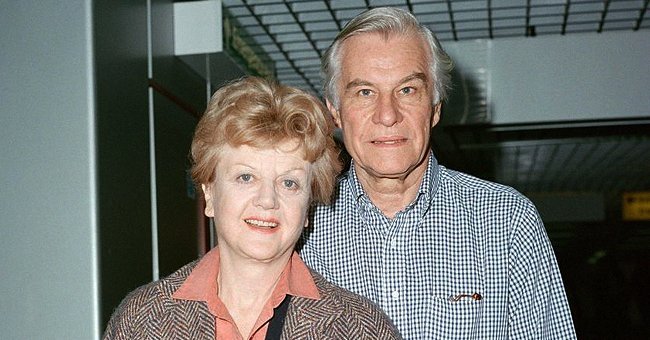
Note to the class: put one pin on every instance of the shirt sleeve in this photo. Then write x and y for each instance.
(537, 300)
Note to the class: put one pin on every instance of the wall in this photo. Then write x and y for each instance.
(555, 78)
(93, 161)
(148, 102)
(48, 212)
(120, 45)
(176, 114)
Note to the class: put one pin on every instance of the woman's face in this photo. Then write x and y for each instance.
(259, 201)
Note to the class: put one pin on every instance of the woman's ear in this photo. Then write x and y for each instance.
(207, 194)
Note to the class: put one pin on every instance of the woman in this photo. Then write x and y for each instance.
(262, 154)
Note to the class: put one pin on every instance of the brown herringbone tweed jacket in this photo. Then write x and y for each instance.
(150, 312)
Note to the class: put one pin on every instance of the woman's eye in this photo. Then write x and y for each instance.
(245, 177)
(290, 184)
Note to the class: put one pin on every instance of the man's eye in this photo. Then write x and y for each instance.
(365, 92)
(407, 90)
(245, 177)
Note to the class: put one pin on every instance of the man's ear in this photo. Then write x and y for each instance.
(436, 114)
(335, 113)
(207, 194)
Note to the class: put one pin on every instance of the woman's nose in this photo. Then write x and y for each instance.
(267, 196)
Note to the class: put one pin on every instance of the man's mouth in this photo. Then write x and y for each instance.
(389, 141)
(261, 224)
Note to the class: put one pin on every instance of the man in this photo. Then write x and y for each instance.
(446, 255)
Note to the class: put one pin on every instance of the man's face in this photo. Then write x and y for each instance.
(386, 111)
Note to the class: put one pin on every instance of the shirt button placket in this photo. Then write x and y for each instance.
(393, 279)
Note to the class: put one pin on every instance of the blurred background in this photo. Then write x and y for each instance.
(99, 99)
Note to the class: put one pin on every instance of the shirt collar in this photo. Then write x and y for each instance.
(201, 284)
(353, 181)
(428, 186)
(431, 179)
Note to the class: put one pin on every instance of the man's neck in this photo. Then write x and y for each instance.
(392, 195)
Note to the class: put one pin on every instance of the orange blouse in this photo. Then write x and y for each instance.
(201, 285)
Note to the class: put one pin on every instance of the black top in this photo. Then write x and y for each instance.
(277, 321)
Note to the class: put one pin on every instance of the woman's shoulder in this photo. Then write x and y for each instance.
(155, 292)
(363, 317)
(144, 304)
(340, 296)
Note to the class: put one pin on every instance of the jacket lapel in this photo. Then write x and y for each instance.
(308, 318)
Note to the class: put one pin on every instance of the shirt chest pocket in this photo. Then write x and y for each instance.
(457, 317)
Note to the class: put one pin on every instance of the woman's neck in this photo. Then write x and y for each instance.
(245, 286)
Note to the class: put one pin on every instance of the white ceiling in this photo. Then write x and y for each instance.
(604, 160)
(295, 33)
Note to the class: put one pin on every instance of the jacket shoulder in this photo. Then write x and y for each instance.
(142, 309)
(134, 311)
(352, 316)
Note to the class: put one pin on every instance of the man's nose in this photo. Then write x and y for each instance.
(387, 111)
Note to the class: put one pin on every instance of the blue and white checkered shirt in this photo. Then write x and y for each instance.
(467, 259)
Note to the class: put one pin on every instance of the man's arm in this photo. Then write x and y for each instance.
(538, 307)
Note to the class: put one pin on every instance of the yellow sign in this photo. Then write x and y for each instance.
(636, 206)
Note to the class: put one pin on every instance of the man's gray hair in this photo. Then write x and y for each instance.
(389, 22)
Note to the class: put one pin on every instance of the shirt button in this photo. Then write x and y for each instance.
(393, 244)
(395, 294)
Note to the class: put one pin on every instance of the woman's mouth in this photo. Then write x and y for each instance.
(261, 224)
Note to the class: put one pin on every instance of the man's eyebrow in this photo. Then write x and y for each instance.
(415, 76)
(356, 83)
